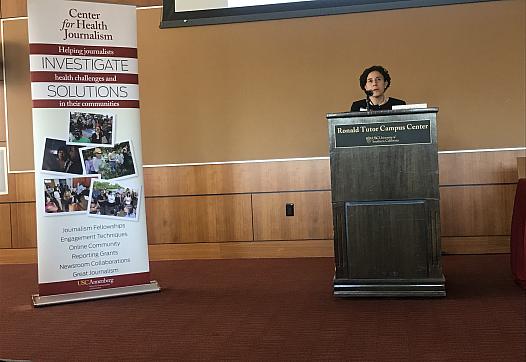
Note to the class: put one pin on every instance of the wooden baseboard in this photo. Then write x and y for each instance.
(228, 250)
(476, 245)
(273, 249)
(18, 256)
(240, 250)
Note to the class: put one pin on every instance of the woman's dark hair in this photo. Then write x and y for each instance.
(378, 68)
(63, 149)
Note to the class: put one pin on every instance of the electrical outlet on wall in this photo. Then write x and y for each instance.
(289, 209)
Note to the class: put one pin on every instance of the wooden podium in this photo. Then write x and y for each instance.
(385, 202)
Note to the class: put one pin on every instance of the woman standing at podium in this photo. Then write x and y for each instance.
(374, 81)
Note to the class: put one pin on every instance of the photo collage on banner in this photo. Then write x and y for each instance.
(91, 225)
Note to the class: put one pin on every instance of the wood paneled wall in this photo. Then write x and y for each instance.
(23, 225)
(477, 191)
(5, 226)
(238, 178)
(211, 218)
(312, 216)
(244, 204)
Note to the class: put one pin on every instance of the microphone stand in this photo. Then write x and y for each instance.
(367, 100)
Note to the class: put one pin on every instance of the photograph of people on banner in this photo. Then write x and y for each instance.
(89, 129)
(66, 195)
(114, 199)
(61, 158)
(115, 162)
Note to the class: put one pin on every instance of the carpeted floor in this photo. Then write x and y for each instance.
(270, 309)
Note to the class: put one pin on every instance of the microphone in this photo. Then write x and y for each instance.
(368, 93)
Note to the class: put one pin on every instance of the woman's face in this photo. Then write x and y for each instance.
(376, 83)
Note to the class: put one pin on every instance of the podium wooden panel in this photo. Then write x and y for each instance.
(386, 203)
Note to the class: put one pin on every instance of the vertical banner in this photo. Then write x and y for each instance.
(91, 222)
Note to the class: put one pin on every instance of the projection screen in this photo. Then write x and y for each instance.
(184, 13)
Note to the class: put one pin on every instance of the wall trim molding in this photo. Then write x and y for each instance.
(484, 150)
(291, 159)
(237, 162)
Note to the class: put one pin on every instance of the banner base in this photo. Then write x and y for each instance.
(42, 301)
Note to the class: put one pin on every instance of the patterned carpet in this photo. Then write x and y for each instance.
(270, 309)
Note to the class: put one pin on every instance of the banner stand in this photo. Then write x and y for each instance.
(48, 300)
(92, 238)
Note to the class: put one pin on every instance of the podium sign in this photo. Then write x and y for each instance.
(383, 134)
(386, 203)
